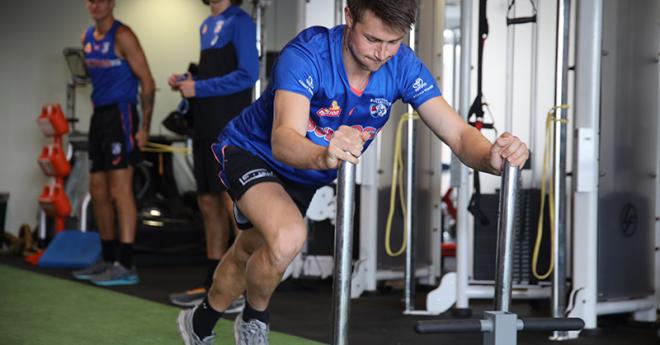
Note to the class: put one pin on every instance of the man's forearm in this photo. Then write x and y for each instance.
(147, 99)
(293, 149)
(475, 151)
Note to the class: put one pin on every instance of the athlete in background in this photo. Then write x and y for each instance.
(117, 65)
(228, 69)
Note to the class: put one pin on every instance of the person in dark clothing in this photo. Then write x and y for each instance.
(228, 68)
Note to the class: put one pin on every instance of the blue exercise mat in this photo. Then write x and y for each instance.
(72, 249)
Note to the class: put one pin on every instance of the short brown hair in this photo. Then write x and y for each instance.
(400, 14)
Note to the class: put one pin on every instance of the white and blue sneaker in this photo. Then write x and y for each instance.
(92, 270)
(116, 275)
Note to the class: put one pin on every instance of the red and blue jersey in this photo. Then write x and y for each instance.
(311, 65)
(113, 81)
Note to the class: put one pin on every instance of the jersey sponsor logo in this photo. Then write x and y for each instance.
(254, 174)
(205, 28)
(214, 40)
(418, 84)
(218, 26)
(379, 107)
(421, 87)
(333, 111)
(102, 63)
(308, 84)
(327, 132)
(88, 48)
(423, 91)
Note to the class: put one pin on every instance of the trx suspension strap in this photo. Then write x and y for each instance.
(476, 112)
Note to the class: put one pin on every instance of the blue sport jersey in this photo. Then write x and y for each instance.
(234, 29)
(113, 81)
(228, 68)
(311, 65)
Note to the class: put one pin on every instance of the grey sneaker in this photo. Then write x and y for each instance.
(236, 306)
(253, 332)
(91, 270)
(184, 321)
(188, 298)
(116, 275)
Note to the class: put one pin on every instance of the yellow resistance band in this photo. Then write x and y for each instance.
(397, 164)
(547, 157)
(156, 147)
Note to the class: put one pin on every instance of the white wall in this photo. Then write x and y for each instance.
(320, 12)
(284, 18)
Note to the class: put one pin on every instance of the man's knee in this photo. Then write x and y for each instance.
(208, 202)
(98, 191)
(288, 243)
(121, 191)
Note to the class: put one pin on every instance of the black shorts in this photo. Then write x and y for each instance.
(206, 168)
(112, 137)
(241, 170)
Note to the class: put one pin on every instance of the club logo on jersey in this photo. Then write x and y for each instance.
(106, 48)
(116, 151)
(205, 28)
(379, 107)
(418, 84)
(218, 26)
(88, 48)
(308, 84)
(333, 111)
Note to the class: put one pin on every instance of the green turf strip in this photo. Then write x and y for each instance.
(39, 309)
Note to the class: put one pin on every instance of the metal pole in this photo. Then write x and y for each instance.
(559, 171)
(589, 39)
(505, 233)
(459, 171)
(71, 102)
(343, 254)
(510, 57)
(409, 275)
(258, 13)
(339, 12)
(533, 100)
(42, 225)
(84, 208)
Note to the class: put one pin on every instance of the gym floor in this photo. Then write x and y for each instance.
(301, 307)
